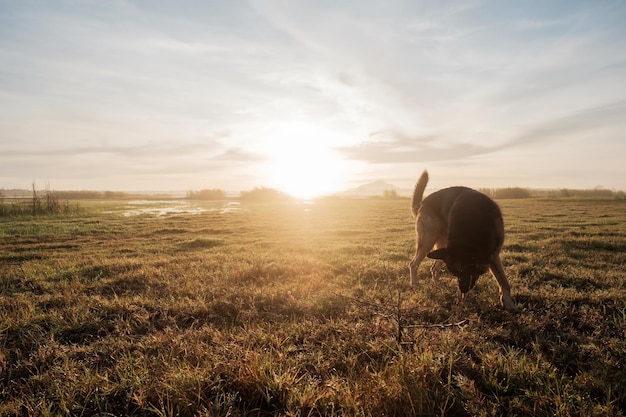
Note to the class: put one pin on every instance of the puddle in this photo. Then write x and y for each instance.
(174, 207)
(233, 207)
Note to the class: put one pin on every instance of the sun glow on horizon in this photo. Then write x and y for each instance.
(302, 161)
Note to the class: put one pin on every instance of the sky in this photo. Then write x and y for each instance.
(311, 97)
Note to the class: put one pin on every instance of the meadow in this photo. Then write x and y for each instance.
(224, 309)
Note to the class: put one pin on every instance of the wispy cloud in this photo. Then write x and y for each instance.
(604, 124)
(608, 118)
(397, 152)
(239, 155)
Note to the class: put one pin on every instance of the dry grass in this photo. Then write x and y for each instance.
(296, 310)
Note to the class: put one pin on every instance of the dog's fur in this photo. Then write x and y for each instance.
(466, 229)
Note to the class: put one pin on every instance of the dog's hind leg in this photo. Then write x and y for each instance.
(420, 254)
(497, 270)
(427, 234)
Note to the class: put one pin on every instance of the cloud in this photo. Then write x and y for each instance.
(402, 149)
(532, 25)
(608, 117)
(239, 155)
(143, 151)
(394, 147)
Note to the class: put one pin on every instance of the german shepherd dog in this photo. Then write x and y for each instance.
(466, 229)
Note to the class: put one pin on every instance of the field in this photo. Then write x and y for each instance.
(217, 309)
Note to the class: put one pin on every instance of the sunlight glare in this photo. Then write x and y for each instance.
(302, 161)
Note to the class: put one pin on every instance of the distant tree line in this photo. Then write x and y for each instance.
(92, 195)
(264, 194)
(517, 192)
(595, 193)
(510, 192)
(41, 202)
(68, 195)
(261, 194)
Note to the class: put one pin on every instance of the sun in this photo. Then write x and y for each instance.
(303, 161)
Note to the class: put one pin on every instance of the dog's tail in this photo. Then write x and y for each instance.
(418, 193)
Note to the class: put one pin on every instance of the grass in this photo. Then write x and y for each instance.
(305, 310)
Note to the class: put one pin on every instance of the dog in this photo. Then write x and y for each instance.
(466, 229)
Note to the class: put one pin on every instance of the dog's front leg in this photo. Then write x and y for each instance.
(435, 270)
(420, 254)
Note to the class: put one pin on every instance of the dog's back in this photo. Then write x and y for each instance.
(472, 218)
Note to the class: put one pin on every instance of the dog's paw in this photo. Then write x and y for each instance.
(510, 307)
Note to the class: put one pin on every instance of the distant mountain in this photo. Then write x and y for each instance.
(376, 188)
